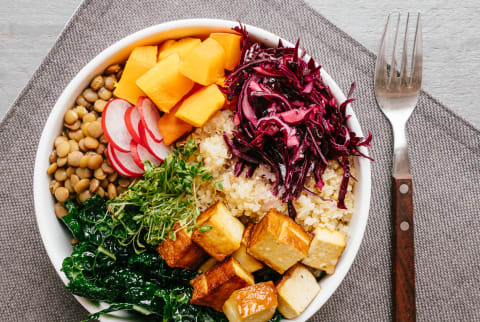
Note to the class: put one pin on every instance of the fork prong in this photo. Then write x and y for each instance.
(381, 64)
(417, 60)
(403, 68)
(393, 66)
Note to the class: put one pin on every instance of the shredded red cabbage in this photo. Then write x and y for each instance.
(287, 118)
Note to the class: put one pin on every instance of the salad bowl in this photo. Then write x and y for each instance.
(56, 237)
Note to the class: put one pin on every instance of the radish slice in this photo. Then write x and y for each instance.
(135, 156)
(113, 124)
(126, 163)
(157, 149)
(140, 154)
(114, 163)
(149, 115)
(132, 117)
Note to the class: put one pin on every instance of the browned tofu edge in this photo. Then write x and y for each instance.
(215, 286)
(181, 252)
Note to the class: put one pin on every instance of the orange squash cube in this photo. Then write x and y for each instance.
(181, 47)
(163, 47)
(231, 46)
(205, 63)
(139, 62)
(171, 127)
(164, 84)
(201, 105)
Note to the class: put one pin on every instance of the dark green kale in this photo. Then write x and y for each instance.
(101, 269)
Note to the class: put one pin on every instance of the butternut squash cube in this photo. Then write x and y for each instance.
(181, 47)
(201, 105)
(225, 235)
(139, 62)
(181, 252)
(256, 303)
(325, 249)
(297, 288)
(163, 47)
(241, 255)
(164, 84)
(204, 64)
(215, 286)
(171, 127)
(231, 46)
(278, 241)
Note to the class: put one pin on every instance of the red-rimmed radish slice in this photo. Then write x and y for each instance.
(157, 149)
(132, 117)
(135, 156)
(126, 163)
(149, 115)
(114, 163)
(113, 124)
(140, 154)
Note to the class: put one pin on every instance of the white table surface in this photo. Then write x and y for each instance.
(451, 38)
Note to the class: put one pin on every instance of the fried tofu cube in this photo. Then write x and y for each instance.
(241, 255)
(215, 286)
(207, 265)
(297, 288)
(278, 241)
(256, 303)
(224, 237)
(325, 249)
(181, 252)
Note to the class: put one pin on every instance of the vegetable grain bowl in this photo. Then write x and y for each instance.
(202, 170)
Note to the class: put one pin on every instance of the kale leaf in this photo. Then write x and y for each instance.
(101, 269)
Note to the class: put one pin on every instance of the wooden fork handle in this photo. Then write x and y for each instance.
(403, 250)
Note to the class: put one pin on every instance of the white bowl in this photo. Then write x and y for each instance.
(57, 238)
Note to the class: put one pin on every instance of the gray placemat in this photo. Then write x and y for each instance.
(445, 157)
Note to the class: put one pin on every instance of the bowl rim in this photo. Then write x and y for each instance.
(44, 201)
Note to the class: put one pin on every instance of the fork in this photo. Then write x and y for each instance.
(397, 94)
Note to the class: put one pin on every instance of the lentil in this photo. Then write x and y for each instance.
(95, 162)
(52, 168)
(63, 149)
(82, 185)
(60, 211)
(90, 95)
(60, 174)
(74, 158)
(91, 143)
(71, 117)
(96, 83)
(61, 194)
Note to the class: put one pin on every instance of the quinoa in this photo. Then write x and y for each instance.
(253, 197)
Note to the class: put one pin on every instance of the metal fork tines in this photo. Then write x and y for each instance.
(397, 93)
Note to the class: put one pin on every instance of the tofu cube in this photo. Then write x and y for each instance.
(207, 265)
(226, 233)
(278, 241)
(241, 255)
(297, 288)
(181, 252)
(325, 249)
(215, 286)
(256, 303)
